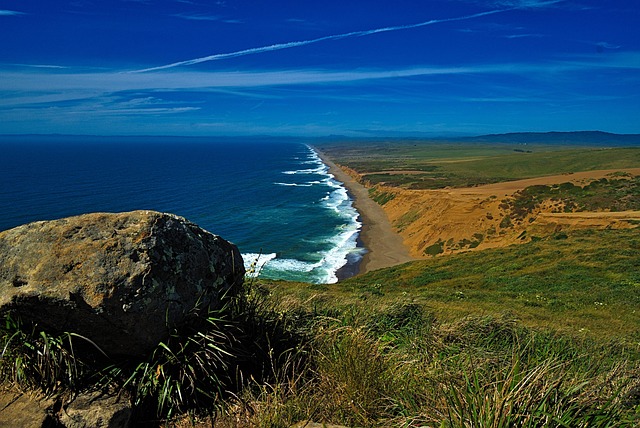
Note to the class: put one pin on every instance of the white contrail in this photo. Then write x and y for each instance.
(280, 46)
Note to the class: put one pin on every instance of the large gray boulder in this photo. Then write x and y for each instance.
(123, 281)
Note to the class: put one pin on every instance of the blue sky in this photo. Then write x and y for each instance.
(358, 68)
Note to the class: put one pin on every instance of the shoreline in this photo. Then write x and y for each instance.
(385, 247)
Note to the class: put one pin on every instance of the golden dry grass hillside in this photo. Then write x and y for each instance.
(440, 205)
(474, 218)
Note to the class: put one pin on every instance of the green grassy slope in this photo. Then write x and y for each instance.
(583, 283)
(545, 334)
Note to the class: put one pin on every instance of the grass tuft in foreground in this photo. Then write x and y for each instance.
(192, 372)
(402, 367)
(37, 360)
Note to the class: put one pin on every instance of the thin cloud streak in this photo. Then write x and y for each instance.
(80, 85)
(289, 45)
(524, 4)
(521, 36)
(10, 13)
(197, 17)
(188, 80)
(39, 66)
(606, 45)
(203, 17)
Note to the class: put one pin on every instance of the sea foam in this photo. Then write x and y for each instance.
(341, 244)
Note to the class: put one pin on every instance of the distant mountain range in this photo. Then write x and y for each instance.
(585, 138)
(577, 137)
(589, 138)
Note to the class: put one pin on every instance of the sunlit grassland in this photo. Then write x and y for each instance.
(432, 165)
(526, 165)
(584, 283)
(544, 334)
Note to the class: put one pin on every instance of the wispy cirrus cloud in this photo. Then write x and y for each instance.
(96, 101)
(197, 17)
(10, 13)
(101, 104)
(606, 45)
(522, 36)
(502, 30)
(60, 67)
(294, 44)
(32, 83)
(44, 87)
(205, 17)
(521, 4)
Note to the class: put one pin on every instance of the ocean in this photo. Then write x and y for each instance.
(275, 200)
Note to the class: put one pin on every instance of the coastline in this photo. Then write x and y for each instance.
(385, 248)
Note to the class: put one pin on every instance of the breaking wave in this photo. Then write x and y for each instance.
(338, 246)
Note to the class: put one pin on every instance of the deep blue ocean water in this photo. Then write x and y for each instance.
(271, 198)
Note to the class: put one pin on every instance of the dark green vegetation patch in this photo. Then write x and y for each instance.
(617, 194)
(379, 196)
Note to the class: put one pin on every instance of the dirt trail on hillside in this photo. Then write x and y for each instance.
(510, 187)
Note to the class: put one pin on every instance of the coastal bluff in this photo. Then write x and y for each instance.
(123, 281)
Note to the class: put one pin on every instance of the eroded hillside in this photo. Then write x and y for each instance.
(455, 218)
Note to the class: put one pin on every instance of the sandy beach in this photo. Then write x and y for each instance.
(385, 247)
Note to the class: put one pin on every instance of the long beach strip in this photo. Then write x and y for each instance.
(384, 245)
